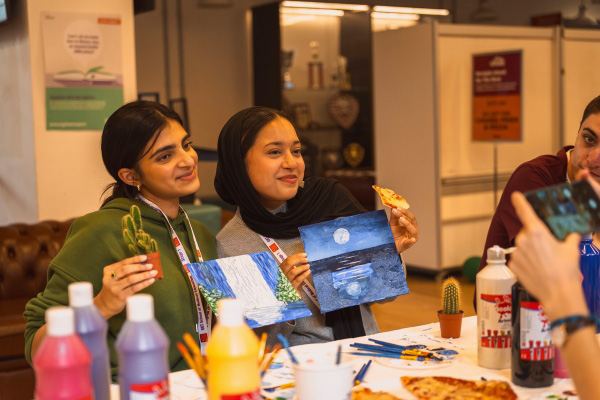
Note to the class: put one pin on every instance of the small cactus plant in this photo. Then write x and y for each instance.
(138, 241)
(451, 296)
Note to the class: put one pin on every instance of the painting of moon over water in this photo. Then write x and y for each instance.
(353, 260)
(256, 280)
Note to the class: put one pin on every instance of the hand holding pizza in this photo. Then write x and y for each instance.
(405, 228)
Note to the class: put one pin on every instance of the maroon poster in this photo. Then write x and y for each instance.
(497, 96)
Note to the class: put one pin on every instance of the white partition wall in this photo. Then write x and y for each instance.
(580, 78)
(406, 145)
(423, 146)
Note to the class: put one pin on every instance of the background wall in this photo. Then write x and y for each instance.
(42, 177)
(49, 174)
(217, 54)
(18, 190)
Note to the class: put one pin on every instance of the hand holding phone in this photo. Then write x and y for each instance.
(567, 208)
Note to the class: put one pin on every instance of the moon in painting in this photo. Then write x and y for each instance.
(341, 236)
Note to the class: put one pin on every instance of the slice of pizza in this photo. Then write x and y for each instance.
(362, 393)
(447, 388)
(390, 198)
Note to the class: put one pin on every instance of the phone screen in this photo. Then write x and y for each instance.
(567, 208)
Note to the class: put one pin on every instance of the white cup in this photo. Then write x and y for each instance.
(323, 381)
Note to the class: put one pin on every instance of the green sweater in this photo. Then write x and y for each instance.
(95, 241)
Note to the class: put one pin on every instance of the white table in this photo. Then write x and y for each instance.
(186, 386)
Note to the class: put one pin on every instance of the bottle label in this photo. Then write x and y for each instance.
(536, 342)
(255, 395)
(495, 320)
(149, 390)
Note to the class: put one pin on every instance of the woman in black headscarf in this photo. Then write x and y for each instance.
(260, 170)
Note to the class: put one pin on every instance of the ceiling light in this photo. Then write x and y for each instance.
(380, 25)
(330, 6)
(384, 15)
(411, 10)
(312, 11)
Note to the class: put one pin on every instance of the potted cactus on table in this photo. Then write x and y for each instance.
(450, 315)
(138, 241)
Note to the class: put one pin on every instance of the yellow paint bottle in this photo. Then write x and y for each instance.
(232, 353)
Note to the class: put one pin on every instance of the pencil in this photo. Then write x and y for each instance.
(338, 356)
(262, 345)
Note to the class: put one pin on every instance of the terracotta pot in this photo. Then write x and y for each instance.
(154, 259)
(450, 324)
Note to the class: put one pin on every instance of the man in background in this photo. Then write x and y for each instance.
(544, 171)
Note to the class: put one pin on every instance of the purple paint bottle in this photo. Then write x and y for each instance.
(91, 328)
(142, 347)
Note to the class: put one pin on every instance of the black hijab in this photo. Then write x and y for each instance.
(319, 200)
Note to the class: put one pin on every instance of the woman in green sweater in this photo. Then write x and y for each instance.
(150, 156)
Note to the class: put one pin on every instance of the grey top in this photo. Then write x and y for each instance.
(237, 239)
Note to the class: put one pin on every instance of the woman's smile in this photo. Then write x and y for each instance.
(189, 176)
(289, 179)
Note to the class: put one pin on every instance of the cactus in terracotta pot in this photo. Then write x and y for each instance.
(138, 241)
(451, 296)
(450, 315)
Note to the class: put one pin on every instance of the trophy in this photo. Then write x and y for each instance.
(315, 67)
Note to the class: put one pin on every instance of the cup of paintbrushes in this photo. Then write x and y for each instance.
(193, 357)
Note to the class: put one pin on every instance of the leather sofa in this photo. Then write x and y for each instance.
(25, 253)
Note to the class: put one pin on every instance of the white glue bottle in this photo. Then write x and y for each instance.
(493, 285)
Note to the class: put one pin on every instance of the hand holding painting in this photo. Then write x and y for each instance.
(296, 269)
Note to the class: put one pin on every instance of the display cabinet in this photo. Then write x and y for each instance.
(318, 70)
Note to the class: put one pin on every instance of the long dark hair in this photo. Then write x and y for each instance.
(126, 134)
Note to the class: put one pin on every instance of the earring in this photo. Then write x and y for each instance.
(138, 186)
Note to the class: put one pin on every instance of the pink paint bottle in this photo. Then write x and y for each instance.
(62, 363)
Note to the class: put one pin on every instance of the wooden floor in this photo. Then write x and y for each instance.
(420, 306)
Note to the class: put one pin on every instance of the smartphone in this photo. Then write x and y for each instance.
(567, 208)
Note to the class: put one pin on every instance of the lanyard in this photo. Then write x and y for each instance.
(204, 318)
(280, 256)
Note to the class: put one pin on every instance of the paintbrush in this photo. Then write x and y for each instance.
(361, 374)
(198, 359)
(268, 359)
(286, 346)
(261, 347)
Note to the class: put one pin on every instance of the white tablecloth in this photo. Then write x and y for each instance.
(381, 376)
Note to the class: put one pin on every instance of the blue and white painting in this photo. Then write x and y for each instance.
(353, 260)
(256, 280)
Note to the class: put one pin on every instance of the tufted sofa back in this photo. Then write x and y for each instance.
(25, 253)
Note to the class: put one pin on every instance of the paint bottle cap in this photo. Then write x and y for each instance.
(60, 321)
(80, 294)
(140, 308)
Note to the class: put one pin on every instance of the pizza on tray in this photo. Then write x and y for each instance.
(447, 388)
(390, 198)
